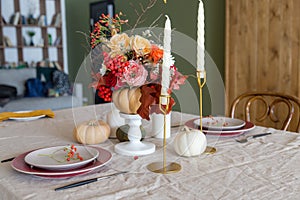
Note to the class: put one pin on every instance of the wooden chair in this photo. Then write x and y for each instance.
(275, 110)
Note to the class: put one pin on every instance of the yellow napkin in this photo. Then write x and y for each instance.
(7, 115)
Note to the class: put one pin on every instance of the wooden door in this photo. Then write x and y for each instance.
(262, 47)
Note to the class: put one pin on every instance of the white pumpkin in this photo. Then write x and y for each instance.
(190, 142)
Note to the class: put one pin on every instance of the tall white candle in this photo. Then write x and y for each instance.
(200, 38)
(165, 81)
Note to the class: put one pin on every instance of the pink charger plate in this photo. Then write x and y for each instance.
(21, 166)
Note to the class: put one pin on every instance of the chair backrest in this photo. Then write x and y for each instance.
(275, 110)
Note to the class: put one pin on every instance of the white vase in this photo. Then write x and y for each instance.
(158, 125)
(114, 120)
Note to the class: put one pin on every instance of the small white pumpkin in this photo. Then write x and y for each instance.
(190, 142)
(92, 132)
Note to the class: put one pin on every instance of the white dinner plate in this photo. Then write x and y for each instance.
(54, 158)
(26, 118)
(220, 123)
(19, 165)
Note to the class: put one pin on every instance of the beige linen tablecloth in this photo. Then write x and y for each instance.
(264, 168)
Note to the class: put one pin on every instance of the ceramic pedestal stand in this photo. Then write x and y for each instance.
(134, 147)
(164, 167)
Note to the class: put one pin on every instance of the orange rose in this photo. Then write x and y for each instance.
(156, 53)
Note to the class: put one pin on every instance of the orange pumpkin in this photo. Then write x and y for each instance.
(92, 132)
(127, 100)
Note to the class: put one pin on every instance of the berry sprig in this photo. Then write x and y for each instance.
(116, 65)
(105, 93)
(71, 153)
(106, 27)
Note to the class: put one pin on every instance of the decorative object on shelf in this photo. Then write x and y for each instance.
(57, 21)
(15, 18)
(3, 20)
(24, 41)
(31, 34)
(131, 77)
(49, 39)
(7, 42)
(42, 20)
(23, 20)
(32, 8)
(57, 41)
(190, 142)
(31, 20)
(92, 132)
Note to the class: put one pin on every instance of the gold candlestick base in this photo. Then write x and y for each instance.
(164, 167)
(158, 167)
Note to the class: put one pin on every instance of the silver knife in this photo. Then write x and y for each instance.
(88, 181)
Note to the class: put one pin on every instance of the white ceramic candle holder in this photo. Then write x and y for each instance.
(158, 125)
(114, 120)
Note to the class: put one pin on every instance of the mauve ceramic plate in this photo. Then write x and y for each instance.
(220, 123)
(57, 161)
(20, 165)
(224, 133)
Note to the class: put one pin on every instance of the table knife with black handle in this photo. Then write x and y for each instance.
(80, 183)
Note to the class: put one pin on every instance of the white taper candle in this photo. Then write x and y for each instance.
(165, 81)
(200, 38)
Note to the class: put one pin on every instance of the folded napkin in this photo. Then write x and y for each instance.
(7, 115)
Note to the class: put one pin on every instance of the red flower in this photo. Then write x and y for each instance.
(110, 80)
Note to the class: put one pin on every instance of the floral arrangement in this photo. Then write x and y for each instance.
(129, 61)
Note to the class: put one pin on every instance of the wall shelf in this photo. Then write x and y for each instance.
(49, 37)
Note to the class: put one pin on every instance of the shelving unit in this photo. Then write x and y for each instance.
(44, 48)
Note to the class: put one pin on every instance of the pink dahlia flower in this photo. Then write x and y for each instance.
(135, 74)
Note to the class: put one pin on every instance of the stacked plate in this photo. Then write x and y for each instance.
(221, 126)
(26, 118)
(51, 162)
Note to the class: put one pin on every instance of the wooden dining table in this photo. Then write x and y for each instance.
(267, 167)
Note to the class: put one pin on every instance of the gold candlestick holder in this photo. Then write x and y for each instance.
(164, 167)
(201, 77)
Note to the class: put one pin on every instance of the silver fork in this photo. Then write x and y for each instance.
(245, 138)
